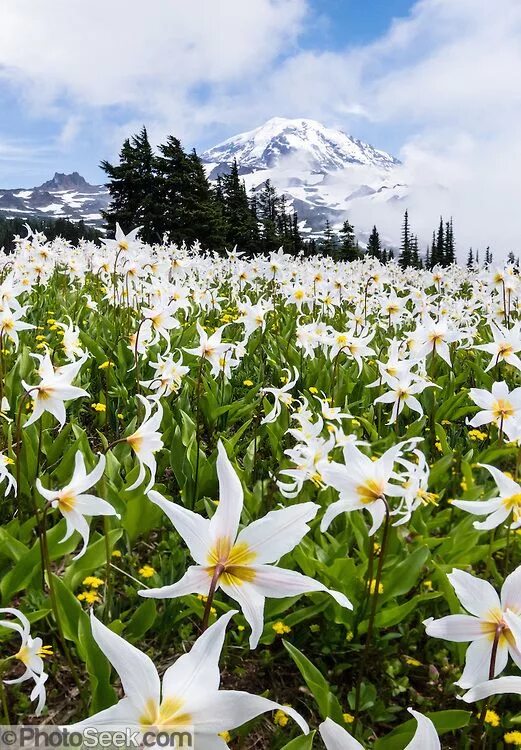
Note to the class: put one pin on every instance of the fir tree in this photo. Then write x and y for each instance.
(374, 248)
(133, 189)
(349, 249)
(470, 259)
(405, 247)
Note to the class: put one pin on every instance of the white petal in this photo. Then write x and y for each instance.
(477, 596)
(276, 583)
(477, 662)
(458, 628)
(198, 671)
(479, 507)
(511, 591)
(336, 737)
(191, 526)
(225, 521)
(137, 672)
(501, 686)
(228, 709)
(278, 532)
(251, 603)
(426, 737)
(196, 580)
(505, 485)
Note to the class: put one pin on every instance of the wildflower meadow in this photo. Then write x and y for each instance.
(273, 499)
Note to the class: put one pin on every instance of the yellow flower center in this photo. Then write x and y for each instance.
(167, 714)
(233, 559)
(66, 501)
(503, 409)
(370, 491)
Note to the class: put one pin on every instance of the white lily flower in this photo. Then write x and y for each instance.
(498, 509)
(54, 389)
(362, 484)
(5, 461)
(500, 406)
(187, 696)
(240, 562)
(281, 395)
(145, 441)
(10, 323)
(210, 347)
(336, 737)
(74, 503)
(504, 348)
(486, 627)
(31, 653)
(71, 340)
(401, 393)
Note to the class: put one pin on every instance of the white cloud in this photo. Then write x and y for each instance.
(446, 78)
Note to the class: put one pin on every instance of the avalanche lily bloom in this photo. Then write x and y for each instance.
(501, 406)
(504, 348)
(486, 627)
(188, 695)
(10, 323)
(32, 652)
(362, 484)
(336, 737)
(74, 503)
(145, 441)
(210, 347)
(54, 389)
(401, 393)
(10, 481)
(240, 562)
(497, 509)
(281, 396)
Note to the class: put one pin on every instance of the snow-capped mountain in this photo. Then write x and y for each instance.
(323, 172)
(66, 196)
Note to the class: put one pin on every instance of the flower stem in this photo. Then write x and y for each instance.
(481, 735)
(372, 614)
(219, 569)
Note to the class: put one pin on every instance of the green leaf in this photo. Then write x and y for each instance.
(327, 702)
(300, 743)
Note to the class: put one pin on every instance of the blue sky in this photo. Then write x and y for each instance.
(32, 138)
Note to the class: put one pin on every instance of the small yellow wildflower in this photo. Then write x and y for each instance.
(463, 485)
(492, 718)
(147, 571)
(240, 628)
(106, 364)
(438, 446)
(312, 389)
(280, 628)
(427, 585)
(355, 423)
(40, 337)
(513, 738)
(99, 407)
(376, 548)
(248, 383)
(372, 587)
(477, 435)
(283, 379)
(93, 582)
(51, 322)
(349, 636)
(280, 718)
(116, 553)
(91, 597)
(446, 421)
(54, 328)
(41, 345)
(413, 662)
(348, 718)
(119, 416)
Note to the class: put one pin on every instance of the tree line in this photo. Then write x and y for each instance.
(72, 231)
(169, 195)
